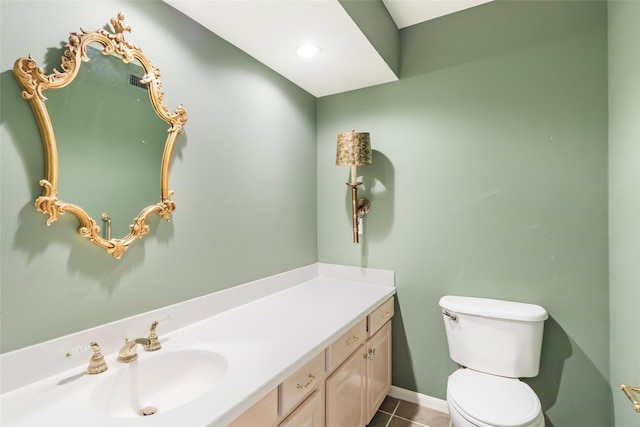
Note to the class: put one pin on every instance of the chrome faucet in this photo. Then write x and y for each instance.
(128, 352)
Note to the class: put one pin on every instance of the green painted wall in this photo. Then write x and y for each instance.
(489, 179)
(624, 202)
(375, 22)
(244, 176)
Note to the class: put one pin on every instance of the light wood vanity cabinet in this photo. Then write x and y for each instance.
(356, 388)
(342, 386)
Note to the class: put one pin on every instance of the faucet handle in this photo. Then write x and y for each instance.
(97, 363)
(78, 351)
(154, 341)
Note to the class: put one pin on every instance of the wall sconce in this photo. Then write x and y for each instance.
(354, 149)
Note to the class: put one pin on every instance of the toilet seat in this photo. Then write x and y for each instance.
(491, 400)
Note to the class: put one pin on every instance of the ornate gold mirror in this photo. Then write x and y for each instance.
(110, 143)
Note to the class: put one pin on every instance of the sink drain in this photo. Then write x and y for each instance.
(149, 410)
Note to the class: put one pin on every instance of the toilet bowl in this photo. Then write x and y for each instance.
(476, 399)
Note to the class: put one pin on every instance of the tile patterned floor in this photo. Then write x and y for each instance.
(399, 413)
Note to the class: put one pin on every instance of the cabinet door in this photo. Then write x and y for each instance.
(345, 397)
(309, 414)
(378, 366)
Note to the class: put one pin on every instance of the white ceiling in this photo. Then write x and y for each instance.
(272, 30)
(410, 12)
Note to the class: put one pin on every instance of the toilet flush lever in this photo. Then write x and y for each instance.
(450, 315)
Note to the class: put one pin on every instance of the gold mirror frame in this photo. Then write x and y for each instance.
(33, 80)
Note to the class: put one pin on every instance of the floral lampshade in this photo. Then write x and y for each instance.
(353, 149)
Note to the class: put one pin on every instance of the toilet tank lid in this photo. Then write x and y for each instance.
(494, 308)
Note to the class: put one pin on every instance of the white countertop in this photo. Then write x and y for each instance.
(264, 341)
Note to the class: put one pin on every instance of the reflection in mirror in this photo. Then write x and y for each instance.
(107, 136)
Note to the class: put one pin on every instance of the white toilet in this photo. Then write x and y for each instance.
(495, 342)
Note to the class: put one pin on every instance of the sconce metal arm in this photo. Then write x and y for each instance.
(358, 207)
(354, 210)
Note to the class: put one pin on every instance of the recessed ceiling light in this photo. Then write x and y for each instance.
(308, 51)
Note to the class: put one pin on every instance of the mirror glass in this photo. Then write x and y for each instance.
(107, 136)
(109, 139)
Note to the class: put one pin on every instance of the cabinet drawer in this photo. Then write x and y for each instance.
(263, 413)
(346, 344)
(301, 384)
(380, 316)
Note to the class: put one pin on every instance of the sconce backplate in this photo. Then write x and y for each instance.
(364, 206)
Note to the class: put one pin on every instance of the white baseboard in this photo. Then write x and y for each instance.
(421, 399)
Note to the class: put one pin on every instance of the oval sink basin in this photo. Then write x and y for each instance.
(159, 382)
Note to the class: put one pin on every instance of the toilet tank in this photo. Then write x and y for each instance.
(494, 336)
